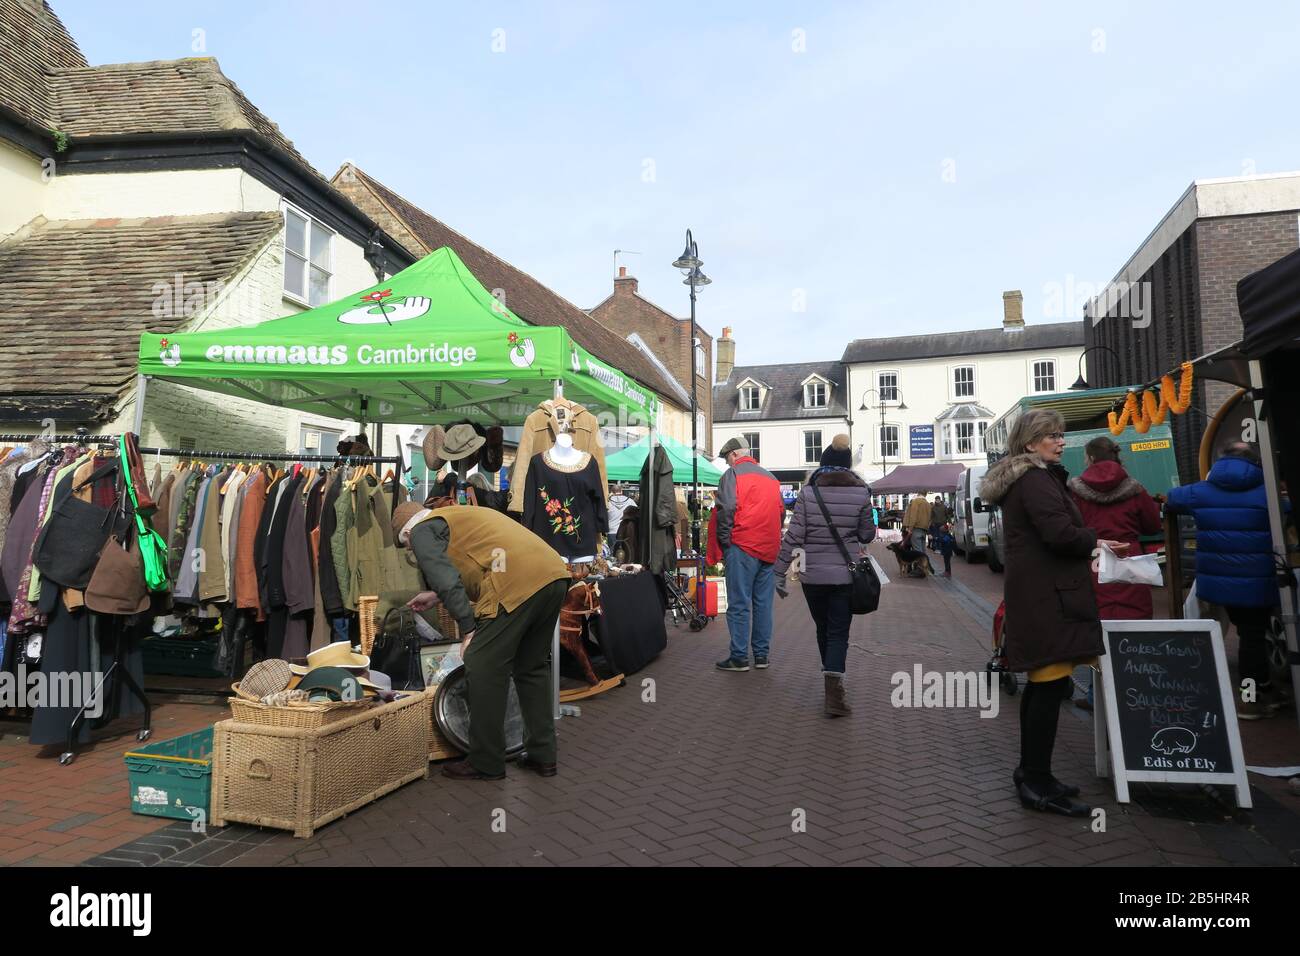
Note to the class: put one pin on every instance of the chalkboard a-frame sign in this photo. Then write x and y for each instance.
(1165, 711)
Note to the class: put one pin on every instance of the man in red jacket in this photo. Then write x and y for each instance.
(750, 515)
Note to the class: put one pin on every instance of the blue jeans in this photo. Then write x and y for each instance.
(750, 583)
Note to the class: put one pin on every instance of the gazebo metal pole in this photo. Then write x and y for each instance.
(141, 384)
(1275, 517)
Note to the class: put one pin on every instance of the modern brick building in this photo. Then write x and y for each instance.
(1176, 297)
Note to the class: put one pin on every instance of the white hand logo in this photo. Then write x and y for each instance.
(412, 307)
(522, 354)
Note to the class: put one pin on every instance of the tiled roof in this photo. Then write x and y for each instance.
(33, 42)
(1052, 335)
(165, 96)
(45, 80)
(524, 296)
(784, 396)
(78, 294)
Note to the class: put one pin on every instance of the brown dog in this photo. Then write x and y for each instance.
(910, 563)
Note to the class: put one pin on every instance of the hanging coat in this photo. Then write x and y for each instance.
(657, 516)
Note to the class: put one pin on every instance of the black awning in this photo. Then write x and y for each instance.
(1269, 302)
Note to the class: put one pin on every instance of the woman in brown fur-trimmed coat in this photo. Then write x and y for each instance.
(1052, 624)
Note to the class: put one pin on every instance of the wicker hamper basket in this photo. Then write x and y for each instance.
(303, 716)
(299, 779)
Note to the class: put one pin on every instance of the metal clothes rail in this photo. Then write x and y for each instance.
(86, 438)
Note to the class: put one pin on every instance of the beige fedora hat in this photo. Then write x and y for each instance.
(461, 442)
(338, 654)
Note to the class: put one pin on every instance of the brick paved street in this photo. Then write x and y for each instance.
(714, 771)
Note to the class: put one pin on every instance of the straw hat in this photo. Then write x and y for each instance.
(433, 441)
(461, 442)
(338, 654)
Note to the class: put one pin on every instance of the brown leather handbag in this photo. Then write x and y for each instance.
(144, 502)
(117, 585)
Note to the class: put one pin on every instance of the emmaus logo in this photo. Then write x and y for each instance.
(432, 354)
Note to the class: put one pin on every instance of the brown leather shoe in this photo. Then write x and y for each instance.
(541, 769)
(464, 770)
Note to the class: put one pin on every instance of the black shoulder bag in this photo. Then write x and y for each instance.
(864, 586)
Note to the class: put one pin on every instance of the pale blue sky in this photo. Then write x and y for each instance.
(911, 163)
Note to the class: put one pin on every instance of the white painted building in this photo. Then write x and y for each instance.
(786, 413)
(165, 202)
(923, 399)
(904, 400)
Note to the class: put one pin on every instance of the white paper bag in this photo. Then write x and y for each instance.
(880, 572)
(1140, 569)
(1192, 606)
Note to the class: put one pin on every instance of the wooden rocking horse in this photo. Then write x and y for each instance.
(582, 601)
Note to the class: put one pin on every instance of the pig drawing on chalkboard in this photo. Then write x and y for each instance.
(1174, 740)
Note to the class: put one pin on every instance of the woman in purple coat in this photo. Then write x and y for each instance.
(810, 547)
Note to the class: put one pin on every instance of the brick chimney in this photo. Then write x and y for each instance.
(726, 354)
(1013, 311)
(624, 284)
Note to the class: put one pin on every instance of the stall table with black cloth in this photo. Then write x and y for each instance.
(630, 627)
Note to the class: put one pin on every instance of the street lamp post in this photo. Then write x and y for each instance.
(880, 434)
(1081, 383)
(689, 263)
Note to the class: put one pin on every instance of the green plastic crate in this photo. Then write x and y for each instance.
(184, 658)
(172, 778)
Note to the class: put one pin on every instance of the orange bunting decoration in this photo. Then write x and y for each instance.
(1150, 412)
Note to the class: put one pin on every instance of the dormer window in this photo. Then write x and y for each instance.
(749, 399)
(816, 392)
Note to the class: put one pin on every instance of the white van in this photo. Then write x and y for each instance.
(971, 528)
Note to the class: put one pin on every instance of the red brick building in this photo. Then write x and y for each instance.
(653, 329)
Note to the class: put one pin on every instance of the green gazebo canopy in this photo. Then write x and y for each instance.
(430, 344)
(626, 465)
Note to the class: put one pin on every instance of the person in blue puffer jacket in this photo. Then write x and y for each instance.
(1235, 567)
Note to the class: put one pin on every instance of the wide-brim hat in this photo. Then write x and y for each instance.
(492, 454)
(461, 442)
(338, 654)
(433, 442)
(336, 684)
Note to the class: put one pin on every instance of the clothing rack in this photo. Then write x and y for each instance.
(286, 456)
(83, 437)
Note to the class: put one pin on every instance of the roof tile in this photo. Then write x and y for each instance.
(79, 293)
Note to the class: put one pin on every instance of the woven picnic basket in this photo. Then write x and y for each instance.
(299, 779)
(302, 716)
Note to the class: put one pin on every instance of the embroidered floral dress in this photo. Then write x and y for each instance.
(564, 505)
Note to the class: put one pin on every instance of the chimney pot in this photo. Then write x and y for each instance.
(725, 355)
(622, 272)
(1013, 311)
